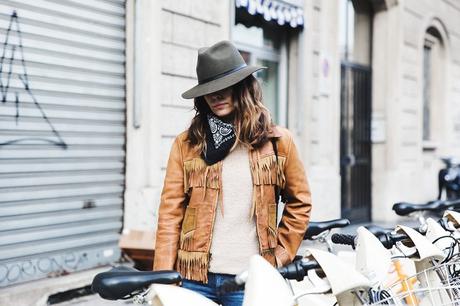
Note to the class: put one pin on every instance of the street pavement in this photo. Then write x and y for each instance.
(93, 300)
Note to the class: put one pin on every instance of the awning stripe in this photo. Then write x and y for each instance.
(276, 10)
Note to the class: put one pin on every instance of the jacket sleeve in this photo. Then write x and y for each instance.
(296, 214)
(171, 211)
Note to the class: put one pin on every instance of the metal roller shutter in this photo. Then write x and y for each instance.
(62, 136)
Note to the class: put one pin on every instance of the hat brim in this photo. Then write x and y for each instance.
(221, 83)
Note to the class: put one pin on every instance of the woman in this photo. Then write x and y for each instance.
(219, 201)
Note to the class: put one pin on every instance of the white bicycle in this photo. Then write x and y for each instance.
(328, 279)
(264, 285)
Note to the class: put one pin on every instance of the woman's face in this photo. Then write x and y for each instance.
(221, 102)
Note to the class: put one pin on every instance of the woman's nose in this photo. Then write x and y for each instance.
(216, 97)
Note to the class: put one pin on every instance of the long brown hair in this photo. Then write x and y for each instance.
(251, 118)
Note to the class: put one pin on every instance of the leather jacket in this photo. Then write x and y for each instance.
(191, 193)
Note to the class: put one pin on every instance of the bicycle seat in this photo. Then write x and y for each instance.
(378, 230)
(121, 281)
(405, 208)
(316, 228)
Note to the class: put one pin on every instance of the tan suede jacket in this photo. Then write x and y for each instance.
(191, 194)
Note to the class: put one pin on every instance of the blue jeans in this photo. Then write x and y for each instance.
(211, 289)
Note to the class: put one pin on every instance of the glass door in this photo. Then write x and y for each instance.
(260, 47)
(269, 80)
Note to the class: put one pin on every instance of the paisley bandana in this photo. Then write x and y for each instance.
(220, 137)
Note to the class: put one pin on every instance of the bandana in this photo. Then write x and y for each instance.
(220, 137)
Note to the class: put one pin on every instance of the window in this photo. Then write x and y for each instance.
(355, 34)
(433, 91)
(263, 45)
(426, 89)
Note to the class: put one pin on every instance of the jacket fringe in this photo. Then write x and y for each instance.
(266, 172)
(272, 237)
(252, 211)
(269, 255)
(193, 265)
(186, 240)
(198, 174)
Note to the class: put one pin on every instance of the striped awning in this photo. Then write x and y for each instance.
(274, 10)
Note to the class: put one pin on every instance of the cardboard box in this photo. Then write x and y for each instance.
(140, 247)
(135, 239)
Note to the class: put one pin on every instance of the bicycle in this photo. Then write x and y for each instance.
(123, 283)
(433, 280)
(324, 271)
(129, 283)
(449, 179)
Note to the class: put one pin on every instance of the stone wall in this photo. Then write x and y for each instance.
(171, 33)
(404, 167)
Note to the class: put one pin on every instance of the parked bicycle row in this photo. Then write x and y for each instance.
(404, 265)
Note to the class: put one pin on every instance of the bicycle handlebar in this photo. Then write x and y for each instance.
(452, 204)
(344, 239)
(296, 270)
(387, 239)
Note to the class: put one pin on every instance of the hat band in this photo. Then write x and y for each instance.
(220, 75)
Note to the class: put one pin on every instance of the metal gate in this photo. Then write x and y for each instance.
(355, 141)
(62, 136)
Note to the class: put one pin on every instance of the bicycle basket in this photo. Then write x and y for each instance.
(436, 286)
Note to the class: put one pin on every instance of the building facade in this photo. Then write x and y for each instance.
(369, 89)
(184, 27)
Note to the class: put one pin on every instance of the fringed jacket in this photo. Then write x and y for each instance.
(191, 192)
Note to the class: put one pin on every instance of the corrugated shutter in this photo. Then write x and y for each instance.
(62, 135)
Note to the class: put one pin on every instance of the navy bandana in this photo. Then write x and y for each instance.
(220, 137)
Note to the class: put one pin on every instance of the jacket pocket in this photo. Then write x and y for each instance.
(272, 226)
(188, 227)
(189, 222)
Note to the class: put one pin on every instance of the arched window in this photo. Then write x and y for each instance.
(433, 93)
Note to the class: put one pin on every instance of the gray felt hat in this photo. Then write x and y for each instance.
(218, 67)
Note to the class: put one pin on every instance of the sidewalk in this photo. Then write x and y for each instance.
(93, 300)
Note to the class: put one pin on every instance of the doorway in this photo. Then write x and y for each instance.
(355, 101)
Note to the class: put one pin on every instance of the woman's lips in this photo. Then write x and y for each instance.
(219, 105)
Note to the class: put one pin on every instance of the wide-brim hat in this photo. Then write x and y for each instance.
(218, 67)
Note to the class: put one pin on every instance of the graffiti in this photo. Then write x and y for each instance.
(16, 54)
(48, 266)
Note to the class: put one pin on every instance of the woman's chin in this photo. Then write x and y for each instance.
(222, 112)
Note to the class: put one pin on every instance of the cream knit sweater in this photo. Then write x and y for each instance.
(234, 238)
